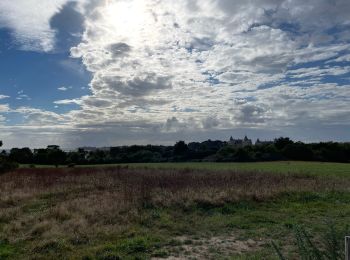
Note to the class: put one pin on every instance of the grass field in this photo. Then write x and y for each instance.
(175, 211)
(317, 168)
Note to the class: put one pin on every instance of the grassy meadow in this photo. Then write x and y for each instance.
(174, 211)
(281, 167)
(317, 168)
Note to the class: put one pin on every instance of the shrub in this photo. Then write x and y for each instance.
(7, 166)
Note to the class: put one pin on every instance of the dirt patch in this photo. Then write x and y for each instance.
(210, 247)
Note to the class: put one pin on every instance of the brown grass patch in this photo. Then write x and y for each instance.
(81, 204)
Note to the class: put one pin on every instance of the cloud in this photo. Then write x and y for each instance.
(165, 67)
(63, 88)
(119, 49)
(317, 72)
(344, 58)
(22, 96)
(4, 108)
(29, 22)
(4, 96)
(173, 125)
(250, 113)
(68, 25)
(210, 61)
(189, 56)
(39, 25)
(39, 117)
(73, 66)
(68, 101)
(210, 122)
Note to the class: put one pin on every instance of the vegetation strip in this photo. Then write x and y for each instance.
(133, 213)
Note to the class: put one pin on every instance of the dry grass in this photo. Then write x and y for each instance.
(84, 204)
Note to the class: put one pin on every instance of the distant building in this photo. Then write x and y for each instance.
(258, 142)
(53, 147)
(240, 142)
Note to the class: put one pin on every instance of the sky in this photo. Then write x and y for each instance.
(120, 72)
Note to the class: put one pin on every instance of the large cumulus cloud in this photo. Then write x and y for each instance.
(200, 65)
(206, 56)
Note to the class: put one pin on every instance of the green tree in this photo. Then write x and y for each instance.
(5, 164)
(21, 155)
(282, 142)
(180, 148)
(55, 155)
(298, 151)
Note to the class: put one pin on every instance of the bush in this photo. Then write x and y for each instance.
(7, 166)
(298, 151)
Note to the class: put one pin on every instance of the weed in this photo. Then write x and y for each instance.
(6, 250)
(329, 246)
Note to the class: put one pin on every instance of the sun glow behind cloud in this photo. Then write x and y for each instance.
(130, 22)
(167, 67)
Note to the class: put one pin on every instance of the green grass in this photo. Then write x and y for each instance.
(273, 221)
(318, 168)
(154, 231)
(322, 168)
(6, 250)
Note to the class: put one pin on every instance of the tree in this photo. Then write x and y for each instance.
(225, 154)
(55, 155)
(23, 155)
(282, 142)
(242, 155)
(180, 148)
(77, 157)
(5, 164)
(40, 156)
(298, 151)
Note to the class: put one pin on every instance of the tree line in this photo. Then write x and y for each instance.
(211, 151)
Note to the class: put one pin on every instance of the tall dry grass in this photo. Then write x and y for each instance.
(86, 202)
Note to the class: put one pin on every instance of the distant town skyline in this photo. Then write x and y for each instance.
(121, 72)
(236, 142)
